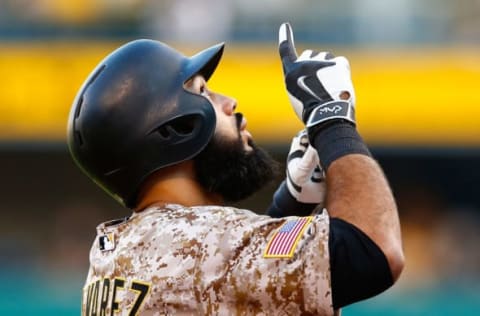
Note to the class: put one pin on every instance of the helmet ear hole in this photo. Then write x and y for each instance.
(180, 127)
(185, 125)
(164, 132)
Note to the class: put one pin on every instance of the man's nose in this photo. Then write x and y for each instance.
(227, 104)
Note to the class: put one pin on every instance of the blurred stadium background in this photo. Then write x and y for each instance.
(416, 69)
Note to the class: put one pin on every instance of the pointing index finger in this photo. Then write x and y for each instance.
(286, 46)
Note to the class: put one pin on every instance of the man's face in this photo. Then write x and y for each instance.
(231, 165)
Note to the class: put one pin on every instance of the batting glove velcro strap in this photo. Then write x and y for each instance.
(330, 111)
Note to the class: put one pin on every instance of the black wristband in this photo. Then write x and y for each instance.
(338, 139)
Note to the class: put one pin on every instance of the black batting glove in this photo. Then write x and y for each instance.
(319, 85)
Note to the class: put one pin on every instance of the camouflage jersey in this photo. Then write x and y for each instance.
(209, 260)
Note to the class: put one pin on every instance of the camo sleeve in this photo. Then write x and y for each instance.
(275, 265)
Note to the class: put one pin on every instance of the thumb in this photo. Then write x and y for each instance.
(286, 46)
(309, 160)
(306, 165)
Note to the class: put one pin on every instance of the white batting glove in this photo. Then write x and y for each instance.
(319, 85)
(305, 178)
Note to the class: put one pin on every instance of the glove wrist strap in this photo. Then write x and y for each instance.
(337, 140)
(330, 111)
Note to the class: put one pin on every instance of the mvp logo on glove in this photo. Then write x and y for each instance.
(328, 111)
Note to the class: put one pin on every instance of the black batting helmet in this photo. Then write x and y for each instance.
(132, 116)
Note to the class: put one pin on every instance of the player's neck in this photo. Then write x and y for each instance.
(175, 185)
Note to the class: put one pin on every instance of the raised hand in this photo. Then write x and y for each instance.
(319, 85)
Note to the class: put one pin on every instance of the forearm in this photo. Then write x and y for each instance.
(358, 192)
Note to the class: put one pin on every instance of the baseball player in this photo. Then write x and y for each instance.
(147, 129)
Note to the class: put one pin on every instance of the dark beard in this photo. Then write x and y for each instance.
(227, 169)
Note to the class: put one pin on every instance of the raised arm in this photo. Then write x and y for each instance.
(357, 192)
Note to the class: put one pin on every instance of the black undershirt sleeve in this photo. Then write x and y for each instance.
(359, 269)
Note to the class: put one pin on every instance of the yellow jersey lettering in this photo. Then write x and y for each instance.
(118, 283)
(94, 298)
(88, 290)
(105, 294)
(101, 297)
(142, 290)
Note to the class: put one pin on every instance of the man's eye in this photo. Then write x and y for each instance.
(204, 92)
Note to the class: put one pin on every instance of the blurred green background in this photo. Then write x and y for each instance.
(416, 69)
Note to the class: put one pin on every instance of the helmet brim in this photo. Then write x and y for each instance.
(204, 62)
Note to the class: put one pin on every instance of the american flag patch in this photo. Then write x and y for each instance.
(285, 240)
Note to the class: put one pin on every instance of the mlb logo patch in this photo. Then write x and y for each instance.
(106, 242)
(285, 240)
